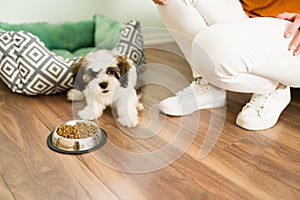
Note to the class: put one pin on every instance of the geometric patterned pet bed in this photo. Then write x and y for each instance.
(131, 43)
(27, 66)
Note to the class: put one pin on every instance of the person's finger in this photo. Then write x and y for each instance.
(286, 16)
(295, 44)
(160, 2)
(293, 27)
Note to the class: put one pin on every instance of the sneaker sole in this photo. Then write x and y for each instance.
(176, 114)
(255, 126)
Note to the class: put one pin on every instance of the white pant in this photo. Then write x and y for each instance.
(229, 49)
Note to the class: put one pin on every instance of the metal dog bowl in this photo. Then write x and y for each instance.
(76, 137)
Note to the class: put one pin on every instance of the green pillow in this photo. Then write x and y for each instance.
(65, 35)
(82, 52)
(107, 32)
(63, 53)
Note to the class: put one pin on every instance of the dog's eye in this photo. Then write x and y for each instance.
(110, 72)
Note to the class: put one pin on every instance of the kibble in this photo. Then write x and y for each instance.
(77, 131)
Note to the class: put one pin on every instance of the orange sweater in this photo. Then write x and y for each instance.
(270, 8)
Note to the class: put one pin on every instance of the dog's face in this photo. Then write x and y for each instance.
(102, 70)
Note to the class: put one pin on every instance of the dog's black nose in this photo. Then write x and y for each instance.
(103, 85)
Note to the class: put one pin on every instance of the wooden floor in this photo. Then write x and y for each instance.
(158, 160)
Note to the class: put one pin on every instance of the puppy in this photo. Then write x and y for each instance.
(106, 79)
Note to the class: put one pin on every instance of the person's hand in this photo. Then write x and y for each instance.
(293, 28)
(160, 2)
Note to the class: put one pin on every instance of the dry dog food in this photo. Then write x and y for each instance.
(78, 131)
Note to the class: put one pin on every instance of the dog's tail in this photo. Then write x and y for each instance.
(75, 95)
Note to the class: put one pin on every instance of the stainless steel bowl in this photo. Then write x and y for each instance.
(75, 146)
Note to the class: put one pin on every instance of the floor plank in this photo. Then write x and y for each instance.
(27, 163)
(272, 158)
(5, 192)
(241, 164)
(111, 177)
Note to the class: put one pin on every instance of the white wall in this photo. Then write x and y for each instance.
(16, 11)
(19, 11)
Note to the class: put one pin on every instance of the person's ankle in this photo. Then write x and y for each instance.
(280, 86)
(200, 81)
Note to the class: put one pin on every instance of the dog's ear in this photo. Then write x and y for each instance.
(76, 66)
(124, 67)
(82, 75)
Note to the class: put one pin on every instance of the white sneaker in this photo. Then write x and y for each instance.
(263, 110)
(198, 95)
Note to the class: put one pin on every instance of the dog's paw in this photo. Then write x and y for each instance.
(75, 95)
(140, 107)
(88, 114)
(130, 123)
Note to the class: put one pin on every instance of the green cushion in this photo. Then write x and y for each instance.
(107, 32)
(75, 54)
(100, 32)
(83, 51)
(63, 53)
(66, 35)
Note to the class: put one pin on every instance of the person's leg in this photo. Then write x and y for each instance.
(229, 54)
(250, 56)
(219, 11)
(184, 20)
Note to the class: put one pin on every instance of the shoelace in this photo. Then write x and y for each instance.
(192, 89)
(259, 101)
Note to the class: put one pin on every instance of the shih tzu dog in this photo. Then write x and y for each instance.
(106, 79)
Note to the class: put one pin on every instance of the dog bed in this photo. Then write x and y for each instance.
(37, 58)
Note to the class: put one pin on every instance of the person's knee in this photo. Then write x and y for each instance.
(217, 55)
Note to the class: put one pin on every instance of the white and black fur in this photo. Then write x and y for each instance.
(106, 79)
